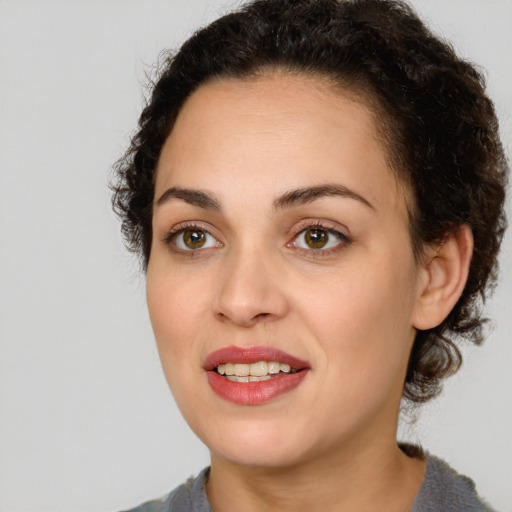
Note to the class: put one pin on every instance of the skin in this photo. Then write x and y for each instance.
(351, 310)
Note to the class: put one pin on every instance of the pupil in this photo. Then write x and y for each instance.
(194, 239)
(316, 238)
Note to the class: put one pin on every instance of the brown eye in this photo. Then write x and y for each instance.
(316, 238)
(194, 239)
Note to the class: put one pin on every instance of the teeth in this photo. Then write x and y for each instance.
(273, 367)
(242, 370)
(259, 379)
(284, 368)
(234, 378)
(261, 370)
(258, 369)
(228, 369)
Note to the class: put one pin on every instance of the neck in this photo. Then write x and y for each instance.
(379, 476)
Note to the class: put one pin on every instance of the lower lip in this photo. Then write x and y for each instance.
(254, 393)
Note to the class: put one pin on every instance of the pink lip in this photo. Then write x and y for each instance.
(250, 355)
(253, 393)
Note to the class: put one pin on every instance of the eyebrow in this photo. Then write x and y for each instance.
(289, 199)
(309, 194)
(193, 197)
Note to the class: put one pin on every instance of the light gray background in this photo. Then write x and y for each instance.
(87, 422)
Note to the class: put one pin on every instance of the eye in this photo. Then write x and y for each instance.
(192, 239)
(319, 238)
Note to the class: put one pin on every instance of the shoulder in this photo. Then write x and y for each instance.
(444, 489)
(188, 497)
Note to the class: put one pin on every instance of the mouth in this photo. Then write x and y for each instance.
(254, 372)
(255, 375)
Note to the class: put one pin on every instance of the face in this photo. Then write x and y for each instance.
(281, 249)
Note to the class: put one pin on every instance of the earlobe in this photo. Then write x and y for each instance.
(443, 277)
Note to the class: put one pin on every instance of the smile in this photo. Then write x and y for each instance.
(255, 372)
(253, 376)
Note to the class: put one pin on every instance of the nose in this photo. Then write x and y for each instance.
(250, 291)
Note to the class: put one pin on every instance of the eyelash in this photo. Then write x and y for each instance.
(344, 240)
(326, 227)
(170, 238)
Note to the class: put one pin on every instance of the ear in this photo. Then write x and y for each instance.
(442, 278)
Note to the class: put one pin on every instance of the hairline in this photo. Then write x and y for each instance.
(365, 95)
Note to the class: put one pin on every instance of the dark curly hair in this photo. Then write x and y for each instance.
(436, 123)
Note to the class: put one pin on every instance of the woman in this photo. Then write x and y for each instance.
(316, 191)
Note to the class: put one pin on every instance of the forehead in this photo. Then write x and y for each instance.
(298, 101)
(293, 130)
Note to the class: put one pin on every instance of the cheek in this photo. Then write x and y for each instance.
(364, 322)
(175, 315)
(175, 312)
(363, 299)
(365, 337)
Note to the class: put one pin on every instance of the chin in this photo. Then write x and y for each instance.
(254, 444)
(259, 456)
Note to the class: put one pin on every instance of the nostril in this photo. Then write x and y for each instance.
(245, 319)
(245, 296)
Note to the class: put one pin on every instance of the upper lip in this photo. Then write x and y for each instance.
(248, 355)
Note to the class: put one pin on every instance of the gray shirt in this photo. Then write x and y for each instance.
(443, 490)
